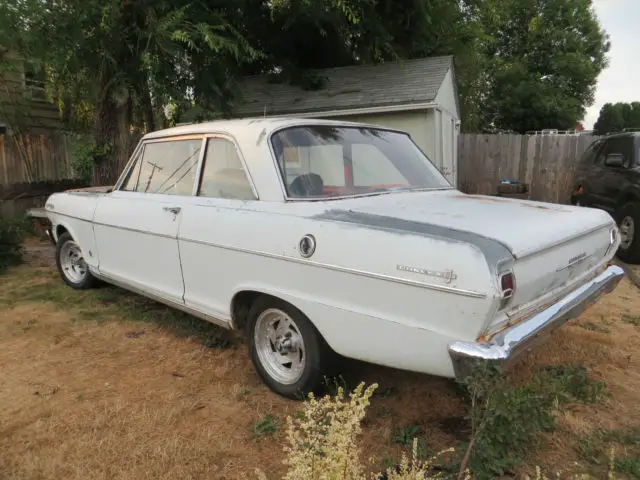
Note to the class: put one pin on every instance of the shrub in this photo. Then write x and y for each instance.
(12, 234)
(506, 418)
(322, 440)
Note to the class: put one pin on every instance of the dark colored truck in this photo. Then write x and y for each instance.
(608, 178)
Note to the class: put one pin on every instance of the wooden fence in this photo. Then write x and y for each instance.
(546, 163)
(34, 158)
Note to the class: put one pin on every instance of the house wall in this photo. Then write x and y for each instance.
(446, 97)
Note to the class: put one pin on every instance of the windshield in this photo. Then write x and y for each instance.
(321, 161)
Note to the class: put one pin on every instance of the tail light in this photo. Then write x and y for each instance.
(507, 288)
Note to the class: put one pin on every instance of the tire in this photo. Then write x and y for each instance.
(628, 219)
(71, 265)
(265, 318)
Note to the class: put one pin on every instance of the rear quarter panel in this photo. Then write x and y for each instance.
(351, 288)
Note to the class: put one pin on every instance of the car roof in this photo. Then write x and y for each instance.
(251, 127)
(623, 134)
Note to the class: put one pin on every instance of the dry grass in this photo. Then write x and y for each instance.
(104, 384)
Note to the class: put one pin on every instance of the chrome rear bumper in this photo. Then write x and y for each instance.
(508, 344)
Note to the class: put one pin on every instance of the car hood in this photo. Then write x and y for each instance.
(523, 226)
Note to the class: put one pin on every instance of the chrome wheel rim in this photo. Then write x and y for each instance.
(627, 230)
(72, 262)
(280, 346)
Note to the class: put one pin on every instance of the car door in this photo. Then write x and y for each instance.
(612, 168)
(222, 214)
(136, 226)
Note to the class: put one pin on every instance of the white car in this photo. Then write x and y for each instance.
(323, 237)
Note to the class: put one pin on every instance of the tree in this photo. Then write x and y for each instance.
(545, 56)
(616, 117)
(126, 58)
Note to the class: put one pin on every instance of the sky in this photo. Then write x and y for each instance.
(620, 81)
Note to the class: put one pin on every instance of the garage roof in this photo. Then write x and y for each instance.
(402, 82)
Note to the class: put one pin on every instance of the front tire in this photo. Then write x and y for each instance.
(71, 265)
(629, 225)
(287, 351)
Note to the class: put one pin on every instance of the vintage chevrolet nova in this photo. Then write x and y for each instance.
(322, 237)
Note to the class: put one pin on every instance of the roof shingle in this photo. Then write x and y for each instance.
(359, 86)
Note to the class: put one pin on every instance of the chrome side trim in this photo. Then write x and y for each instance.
(353, 271)
(135, 230)
(508, 344)
(201, 157)
(161, 299)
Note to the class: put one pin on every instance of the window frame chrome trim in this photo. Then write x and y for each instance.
(245, 166)
(283, 188)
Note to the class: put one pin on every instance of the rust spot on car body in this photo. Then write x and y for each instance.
(490, 199)
(102, 189)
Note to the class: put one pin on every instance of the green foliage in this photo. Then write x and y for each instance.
(631, 320)
(596, 447)
(266, 426)
(616, 117)
(520, 64)
(545, 60)
(505, 418)
(405, 435)
(84, 155)
(12, 233)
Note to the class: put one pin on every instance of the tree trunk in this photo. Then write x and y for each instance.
(147, 107)
(112, 136)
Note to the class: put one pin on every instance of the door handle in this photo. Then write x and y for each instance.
(174, 210)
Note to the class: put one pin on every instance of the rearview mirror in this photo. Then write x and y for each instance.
(614, 160)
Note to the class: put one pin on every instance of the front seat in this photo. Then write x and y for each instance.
(307, 185)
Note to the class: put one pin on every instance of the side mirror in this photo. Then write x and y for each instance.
(614, 160)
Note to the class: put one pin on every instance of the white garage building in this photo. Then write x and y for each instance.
(418, 96)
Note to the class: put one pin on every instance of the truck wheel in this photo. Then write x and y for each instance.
(287, 351)
(71, 265)
(629, 225)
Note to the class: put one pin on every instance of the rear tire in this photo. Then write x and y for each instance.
(71, 265)
(629, 224)
(287, 351)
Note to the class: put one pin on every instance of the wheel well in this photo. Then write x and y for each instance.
(60, 230)
(628, 197)
(240, 306)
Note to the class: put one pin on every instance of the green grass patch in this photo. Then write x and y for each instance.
(594, 327)
(106, 303)
(506, 418)
(595, 450)
(631, 320)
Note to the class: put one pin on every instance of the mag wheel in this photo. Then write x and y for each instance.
(287, 351)
(71, 265)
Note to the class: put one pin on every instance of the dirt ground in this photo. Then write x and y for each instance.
(96, 385)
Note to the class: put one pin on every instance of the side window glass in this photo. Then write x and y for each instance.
(223, 175)
(597, 154)
(134, 173)
(166, 167)
(616, 153)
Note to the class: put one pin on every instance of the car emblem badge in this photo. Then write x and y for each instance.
(307, 245)
(448, 275)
